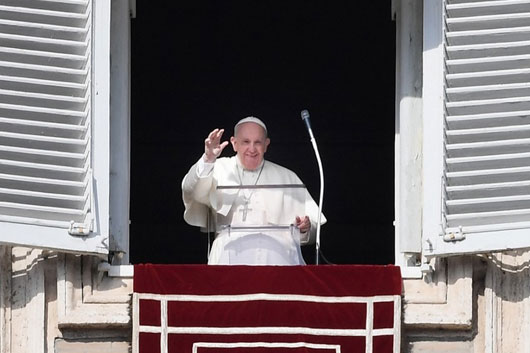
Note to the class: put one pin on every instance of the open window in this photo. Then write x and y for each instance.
(476, 118)
(54, 124)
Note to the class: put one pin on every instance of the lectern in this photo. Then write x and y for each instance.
(258, 226)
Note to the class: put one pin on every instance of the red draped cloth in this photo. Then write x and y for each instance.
(266, 309)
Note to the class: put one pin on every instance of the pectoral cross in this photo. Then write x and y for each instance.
(245, 210)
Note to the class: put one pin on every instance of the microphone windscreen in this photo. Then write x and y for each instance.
(304, 114)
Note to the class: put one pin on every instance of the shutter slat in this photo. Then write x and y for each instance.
(49, 73)
(60, 186)
(37, 198)
(44, 142)
(488, 148)
(43, 30)
(471, 4)
(486, 218)
(500, 228)
(495, 74)
(486, 120)
(488, 162)
(43, 100)
(50, 68)
(32, 155)
(20, 96)
(485, 133)
(45, 195)
(497, 35)
(38, 43)
(488, 176)
(487, 144)
(37, 15)
(39, 127)
(488, 190)
(487, 50)
(43, 170)
(44, 86)
(484, 8)
(493, 133)
(481, 204)
(46, 125)
(53, 116)
(42, 155)
(42, 212)
(488, 106)
(40, 110)
(488, 77)
(42, 57)
(34, 221)
(60, 5)
(486, 92)
(50, 167)
(465, 24)
(495, 63)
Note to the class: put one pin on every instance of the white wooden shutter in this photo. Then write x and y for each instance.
(47, 188)
(486, 169)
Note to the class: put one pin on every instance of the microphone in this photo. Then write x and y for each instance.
(305, 118)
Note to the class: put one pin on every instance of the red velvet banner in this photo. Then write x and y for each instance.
(266, 309)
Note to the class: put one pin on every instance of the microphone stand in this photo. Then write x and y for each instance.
(305, 117)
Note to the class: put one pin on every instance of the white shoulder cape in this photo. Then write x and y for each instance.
(201, 195)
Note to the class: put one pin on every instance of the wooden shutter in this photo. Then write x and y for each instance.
(486, 181)
(47, 195)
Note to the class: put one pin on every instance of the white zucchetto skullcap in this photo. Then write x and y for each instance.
(251, 119)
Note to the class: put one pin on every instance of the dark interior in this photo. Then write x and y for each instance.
(199, 65)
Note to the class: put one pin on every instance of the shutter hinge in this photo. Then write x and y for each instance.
(79, 229)
(454, 235)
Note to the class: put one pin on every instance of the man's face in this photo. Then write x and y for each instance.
(250, 144)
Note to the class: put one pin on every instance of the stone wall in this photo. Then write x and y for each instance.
(53, 302)
(481, 304)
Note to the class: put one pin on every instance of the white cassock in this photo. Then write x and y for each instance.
(204, 194)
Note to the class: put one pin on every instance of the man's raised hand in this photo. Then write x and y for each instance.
(213, 146)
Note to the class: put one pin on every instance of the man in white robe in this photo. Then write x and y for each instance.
(224, 194)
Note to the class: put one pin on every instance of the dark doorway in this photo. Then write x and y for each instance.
(203, 64)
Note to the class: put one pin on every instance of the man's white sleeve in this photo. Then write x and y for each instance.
(204, 168)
